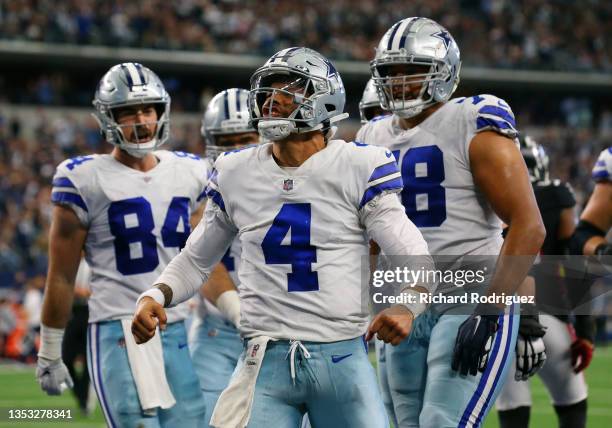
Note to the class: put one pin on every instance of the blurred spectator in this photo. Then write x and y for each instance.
(498, 33)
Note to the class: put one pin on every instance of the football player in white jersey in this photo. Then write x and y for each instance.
(130, 211)
(462, 172)
(303, 207)
(214, 340)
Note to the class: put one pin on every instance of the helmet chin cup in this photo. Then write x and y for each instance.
(139, 152)
(409, 112)
(276, 129)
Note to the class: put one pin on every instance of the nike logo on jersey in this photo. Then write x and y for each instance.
(182, 345)
(338, 358)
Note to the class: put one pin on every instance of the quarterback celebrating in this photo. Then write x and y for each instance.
(303, 208)
(462, 172)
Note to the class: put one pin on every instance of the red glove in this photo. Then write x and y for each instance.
(582, 354)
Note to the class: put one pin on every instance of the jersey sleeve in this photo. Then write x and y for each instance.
(68, 188)
(380, 174)
(489, 113)
(215, 189)
(602, 171)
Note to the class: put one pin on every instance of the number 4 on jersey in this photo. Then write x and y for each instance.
(294, 219)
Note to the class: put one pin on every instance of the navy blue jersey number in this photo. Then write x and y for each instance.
(294, 219)
(131, 223)
(423, 196)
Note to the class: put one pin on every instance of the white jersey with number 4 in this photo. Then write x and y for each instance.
(137, 222)
(303, 267)
(439, 193)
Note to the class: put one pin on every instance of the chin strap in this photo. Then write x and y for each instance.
(279, 129)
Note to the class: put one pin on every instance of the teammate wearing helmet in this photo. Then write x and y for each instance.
(369, 106)
(214, 339)
(226, 124)
(461, 172)
(130, 211)
(560, 374)
(302, 207)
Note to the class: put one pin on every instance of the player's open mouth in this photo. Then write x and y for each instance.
(143, 139)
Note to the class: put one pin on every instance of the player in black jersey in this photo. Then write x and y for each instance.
(565, 343)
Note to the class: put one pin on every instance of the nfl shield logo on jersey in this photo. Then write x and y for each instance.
(288, 185)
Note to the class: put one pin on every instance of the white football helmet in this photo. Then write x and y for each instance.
(416, 42)
(312, 81)
(226, 114)
(130, 84)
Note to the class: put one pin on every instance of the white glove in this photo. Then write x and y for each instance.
(53, 376)
(530, 348)
(530, 356)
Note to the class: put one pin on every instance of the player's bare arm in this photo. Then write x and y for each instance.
(218, 283)
(598, 213)
(500, 172)
(66, 240)
(567, 224)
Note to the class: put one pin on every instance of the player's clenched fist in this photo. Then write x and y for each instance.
(391, 325)
(148, 314)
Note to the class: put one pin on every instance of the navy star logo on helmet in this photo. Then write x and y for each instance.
(444, 36)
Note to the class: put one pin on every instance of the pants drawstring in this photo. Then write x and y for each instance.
(294, 347)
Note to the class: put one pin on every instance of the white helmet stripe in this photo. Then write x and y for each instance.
(131, 68)
(399, 34)
(231, 101)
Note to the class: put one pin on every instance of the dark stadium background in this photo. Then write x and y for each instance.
(550, 60)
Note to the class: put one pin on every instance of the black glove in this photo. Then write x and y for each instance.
(475, 340)
(530, 349)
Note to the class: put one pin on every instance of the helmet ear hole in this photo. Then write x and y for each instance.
(330, 107)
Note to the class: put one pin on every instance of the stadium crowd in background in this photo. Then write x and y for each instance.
(497, 33)
(341, 29)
